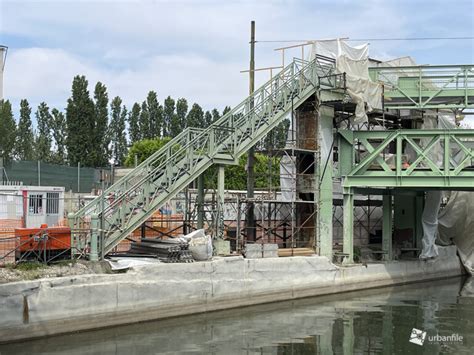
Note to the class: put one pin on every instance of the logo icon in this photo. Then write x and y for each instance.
(417, 336)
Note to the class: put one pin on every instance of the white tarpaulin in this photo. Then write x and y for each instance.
(455, 222)
(287, 178)
(456, 225)
(354, 61)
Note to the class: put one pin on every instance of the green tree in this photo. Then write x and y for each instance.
(181, 114)
(226, 109)
(43, 140)
(25, 139)
(80, 121)
(144, 122)
(267, 173)
(117, 131)
(207, 119)
(7, 131)
(59, 130)
(215, 115)
(168, 117)
(143, 149)
(134, 124)
(276, 139)
(195, 117)
(155, 112)
(100, 148)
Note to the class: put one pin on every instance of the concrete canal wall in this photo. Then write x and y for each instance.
(51, 306)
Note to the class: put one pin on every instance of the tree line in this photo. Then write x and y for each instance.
(95, 131)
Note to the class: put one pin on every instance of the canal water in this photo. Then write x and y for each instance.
(378, 321)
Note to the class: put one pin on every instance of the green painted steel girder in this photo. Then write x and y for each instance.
(454, 148)
(426, 86)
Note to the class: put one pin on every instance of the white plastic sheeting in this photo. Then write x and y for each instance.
(354, 61)
(456, 224)
(200, 245)
(287, 178)
(125, 263)
(429, 220)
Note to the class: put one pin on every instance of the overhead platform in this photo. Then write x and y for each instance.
(426, 86)
(438, 159)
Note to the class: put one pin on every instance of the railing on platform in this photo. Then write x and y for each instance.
(408, 158)
(426, 86)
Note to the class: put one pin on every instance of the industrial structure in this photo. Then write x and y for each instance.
(365, 135)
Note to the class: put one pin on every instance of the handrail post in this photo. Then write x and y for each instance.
(93, 254)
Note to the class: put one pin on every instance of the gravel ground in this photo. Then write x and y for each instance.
(33, 271)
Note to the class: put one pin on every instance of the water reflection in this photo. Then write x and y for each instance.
(365, 322)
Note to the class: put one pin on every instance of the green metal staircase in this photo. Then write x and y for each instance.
(133, 199)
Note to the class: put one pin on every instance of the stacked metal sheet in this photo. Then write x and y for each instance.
(166, 250)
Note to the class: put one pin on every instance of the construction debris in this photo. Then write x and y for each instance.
(165, 250)
(295, 252)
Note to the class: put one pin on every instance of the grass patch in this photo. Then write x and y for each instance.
(29, 266)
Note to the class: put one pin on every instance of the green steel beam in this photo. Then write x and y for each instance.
(348, 226)
(424, 171)
(200, 202)
(387, 227)
(220, 201)
(426, 86)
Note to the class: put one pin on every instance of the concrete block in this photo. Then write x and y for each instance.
(270, 250)
(253, 251)
(222, 247)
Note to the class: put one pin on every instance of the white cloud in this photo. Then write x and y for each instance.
(192, 49)
(46, 74)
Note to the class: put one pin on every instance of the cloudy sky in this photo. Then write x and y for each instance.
(195, 49)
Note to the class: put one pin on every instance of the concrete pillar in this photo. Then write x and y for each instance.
(387, 227)
(325, 172)
(95, 223)
(200, 202)
(348, 225)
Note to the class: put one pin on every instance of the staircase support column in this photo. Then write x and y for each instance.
(220, 202)
(95, 222)
(324, 190)
(387, 227)
(200, 202)
(348, 225)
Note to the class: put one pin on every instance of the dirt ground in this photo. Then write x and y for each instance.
(33, 271)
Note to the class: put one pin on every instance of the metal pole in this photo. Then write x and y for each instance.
(200, 202)
(78, 177)
(102, 207)
(94, 229)
(220, 201)
(2, 181)
(387, 227)
(39, 173)
(250, 222)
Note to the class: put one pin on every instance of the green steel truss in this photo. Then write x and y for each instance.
(426, 86)
(133, 199)
(444, 159)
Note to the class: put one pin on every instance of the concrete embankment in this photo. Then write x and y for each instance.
(51, 306)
